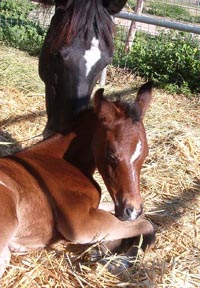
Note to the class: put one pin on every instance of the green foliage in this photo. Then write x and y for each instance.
(132, 3)
(172, 60)
(168, 10)
(19, 8)
(17, 29)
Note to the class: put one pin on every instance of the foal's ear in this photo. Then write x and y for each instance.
(143, 98)
(105, 110)
(98, 97)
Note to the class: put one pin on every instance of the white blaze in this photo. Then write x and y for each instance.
(92, 55)
(2, 183)
(134, 215)
(137, 152)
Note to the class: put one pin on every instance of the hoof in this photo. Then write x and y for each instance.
(148, 240)
(117, 266)
(144, 241)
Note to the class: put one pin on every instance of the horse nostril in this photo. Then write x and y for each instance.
(128, 212)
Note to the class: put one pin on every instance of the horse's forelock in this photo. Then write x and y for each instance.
(105, 24)
(81, 18)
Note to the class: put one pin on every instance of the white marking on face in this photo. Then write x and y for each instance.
(137, 152)
(2, 183)
(92, 55)
(134, 215)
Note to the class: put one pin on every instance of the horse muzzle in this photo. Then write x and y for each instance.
(127, 213)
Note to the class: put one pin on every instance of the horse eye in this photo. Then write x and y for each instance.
(112, 158)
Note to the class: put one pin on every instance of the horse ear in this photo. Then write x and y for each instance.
(143, 98)
(98, 96)
(114, 6)
(105, 110)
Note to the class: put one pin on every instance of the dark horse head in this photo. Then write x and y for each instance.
(77, 47)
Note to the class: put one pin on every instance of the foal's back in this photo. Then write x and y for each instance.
(35, 186)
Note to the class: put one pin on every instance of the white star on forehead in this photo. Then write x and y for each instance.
(92, 55)
(2, 183)
(137, 152)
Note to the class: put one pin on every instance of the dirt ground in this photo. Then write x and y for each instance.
(170, 186)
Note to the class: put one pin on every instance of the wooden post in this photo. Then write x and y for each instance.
(102, 81)
(132, 30)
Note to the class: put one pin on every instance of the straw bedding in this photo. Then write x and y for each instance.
(170, 186)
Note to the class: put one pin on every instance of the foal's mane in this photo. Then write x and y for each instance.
(81, 18)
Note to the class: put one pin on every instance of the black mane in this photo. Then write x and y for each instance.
(80, 18)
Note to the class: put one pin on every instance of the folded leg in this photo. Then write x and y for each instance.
(98, 225)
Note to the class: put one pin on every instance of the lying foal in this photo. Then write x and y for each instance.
(42, 195)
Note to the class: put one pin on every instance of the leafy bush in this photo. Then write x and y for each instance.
(159, 8)
(132, 3)
(19, 8)
(168, 10)
(170, 59)
(17, 29)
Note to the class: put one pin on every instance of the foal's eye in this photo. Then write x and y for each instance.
(112, 158)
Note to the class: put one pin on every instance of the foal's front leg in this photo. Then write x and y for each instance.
(98, 225)
(113, 246)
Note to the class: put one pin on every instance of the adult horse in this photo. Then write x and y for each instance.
(77, 47)
(43, 197)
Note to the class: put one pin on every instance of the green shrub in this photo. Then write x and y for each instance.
(16, 29)
(13, 8)
(168, 10)
(132, 3)
(170, 59)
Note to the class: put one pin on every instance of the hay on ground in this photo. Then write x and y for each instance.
(170, 186)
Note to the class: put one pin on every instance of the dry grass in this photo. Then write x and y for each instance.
(170, 185)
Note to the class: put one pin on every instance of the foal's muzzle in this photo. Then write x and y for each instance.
(127, 213)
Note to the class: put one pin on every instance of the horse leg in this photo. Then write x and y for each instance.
(112, 246)
(8, 227)
(99, 225)
(130, 244)
(121, 237)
